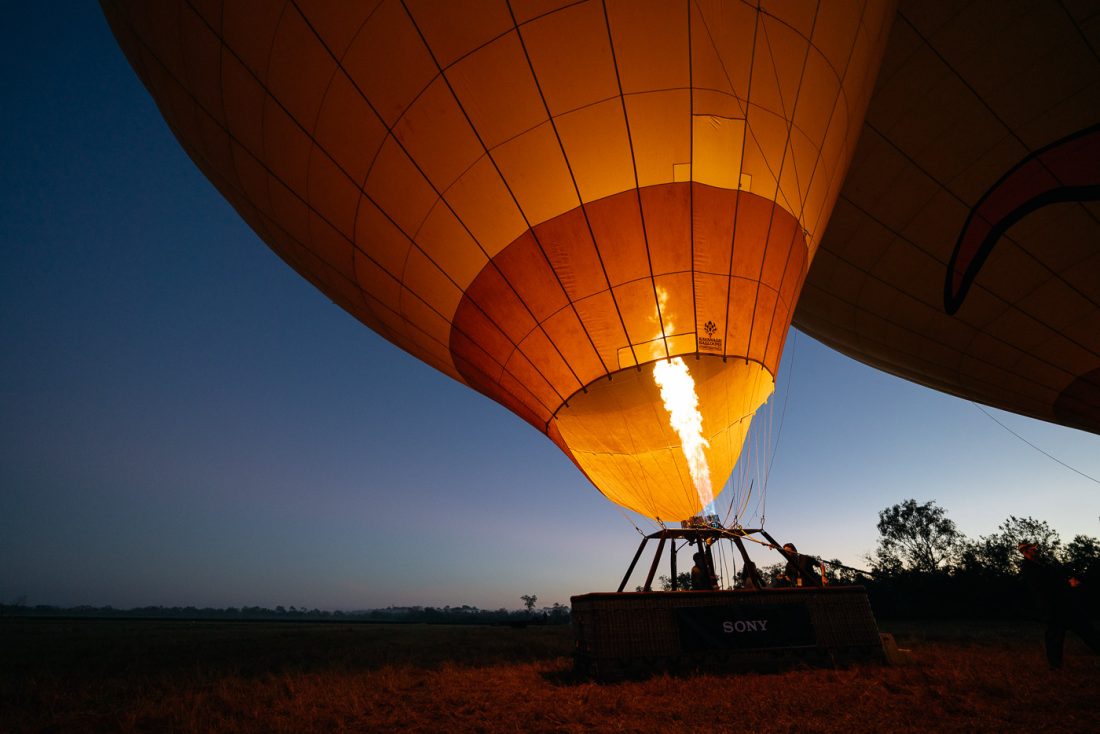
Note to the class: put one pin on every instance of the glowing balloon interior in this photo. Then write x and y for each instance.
(544, 200)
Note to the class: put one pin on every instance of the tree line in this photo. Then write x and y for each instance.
(923, 565)
(464, 614)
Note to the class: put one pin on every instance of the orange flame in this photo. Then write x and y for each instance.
(682, 403)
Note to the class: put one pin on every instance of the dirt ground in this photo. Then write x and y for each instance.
(172, 676)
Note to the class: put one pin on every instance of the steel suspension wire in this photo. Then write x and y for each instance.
(733, 498)
(782, 416)
(623, 513)
(1029, 443)
(732, 578)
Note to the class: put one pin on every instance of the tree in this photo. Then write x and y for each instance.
(915, 537)
(771, 572)
(997, 553)
(1082, 555)
(837, 573)
(529, 601)
(683, 581)
(559, 613)
(1016, 530)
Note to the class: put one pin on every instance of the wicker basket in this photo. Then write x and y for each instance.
(638, 633)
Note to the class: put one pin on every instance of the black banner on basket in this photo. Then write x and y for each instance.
(745, 627)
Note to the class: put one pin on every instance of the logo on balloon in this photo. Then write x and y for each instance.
(709, 342)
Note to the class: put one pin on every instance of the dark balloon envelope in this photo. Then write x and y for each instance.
(547, 200)
(964, 250)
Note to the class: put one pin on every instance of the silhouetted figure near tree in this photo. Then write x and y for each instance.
(1058, 604)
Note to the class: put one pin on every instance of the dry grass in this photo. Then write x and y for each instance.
(88, 676)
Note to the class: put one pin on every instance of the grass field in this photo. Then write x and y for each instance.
(170, 676)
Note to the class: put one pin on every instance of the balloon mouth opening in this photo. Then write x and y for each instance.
(623, 431)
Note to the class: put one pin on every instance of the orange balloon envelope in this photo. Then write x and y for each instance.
(544, 200)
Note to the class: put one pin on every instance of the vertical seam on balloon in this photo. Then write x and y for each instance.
(389, 136)
(359, 186)
(744, 108)
(813, 176)
(779, 177)
(792, 126)
(722, 62)
(185, 68)
(775, 207)
(634, 168)
(530, 227)
(576, 187)
(263, 105)
(832, 115)
(222, 50)
(747, 100)
(796, 241)
(767, 164)
(439, 197)
(837, 182)
(220, 34)
(489, 260)
(262, 221)
(351, 242)
(962, 80)
(337, 69)
(740, 172)
(1081, 33)
(691, 182)
(870, 126)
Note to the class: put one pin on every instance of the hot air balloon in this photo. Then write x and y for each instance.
(602, 213)
(964, 250)
(599, 214)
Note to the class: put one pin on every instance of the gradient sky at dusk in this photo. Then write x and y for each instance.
(185, 421)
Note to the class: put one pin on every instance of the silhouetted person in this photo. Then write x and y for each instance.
(1058, 604)
(750, 576)
(701, 577)
(800, 570)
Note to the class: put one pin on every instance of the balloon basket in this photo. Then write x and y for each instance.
(642, 632)
(636, 634)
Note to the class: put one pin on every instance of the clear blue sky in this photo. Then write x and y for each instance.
(186, 421)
